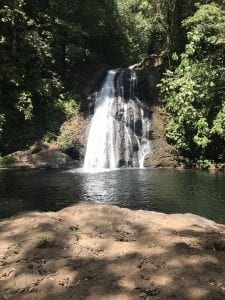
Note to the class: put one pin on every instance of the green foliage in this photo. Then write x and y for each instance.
(6, 160)
(136, 18)
(43, 240)
(194, 92)
(49, 137)
(68, 106)
(35, 59)
(75, 232)
(24, 105)
(45, 44)
(219, 123)
(43, 237)
(203, 163)
(2, 121)
(167, 35)
(65, 140)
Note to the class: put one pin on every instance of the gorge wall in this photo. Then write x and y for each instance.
(71, 144)
(148, 73)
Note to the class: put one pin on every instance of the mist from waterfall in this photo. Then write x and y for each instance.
(120, 127)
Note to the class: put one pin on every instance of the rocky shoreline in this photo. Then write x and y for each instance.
(70, 154)
(91, 251)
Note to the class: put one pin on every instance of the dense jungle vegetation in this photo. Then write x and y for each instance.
(44, 45)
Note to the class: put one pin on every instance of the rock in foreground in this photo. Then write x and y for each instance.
(92, 251)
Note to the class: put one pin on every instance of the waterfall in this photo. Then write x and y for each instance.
(119, 129)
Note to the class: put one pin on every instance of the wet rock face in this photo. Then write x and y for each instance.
(73, 153)
(128, 115)
(50, 159)
(138, 127)
(162, 154)
(43, 157)
(126, 156)
(129, 112)
(149, 72)
(125, 85)
(38, 146)
(120, 124)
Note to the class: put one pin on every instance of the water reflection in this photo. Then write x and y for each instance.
(168, 191)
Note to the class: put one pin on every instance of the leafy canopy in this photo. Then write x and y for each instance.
(194, 92)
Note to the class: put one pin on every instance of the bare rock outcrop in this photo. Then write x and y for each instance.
(44, 157)
(162, 154)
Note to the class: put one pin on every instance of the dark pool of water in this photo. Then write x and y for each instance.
(169, 191)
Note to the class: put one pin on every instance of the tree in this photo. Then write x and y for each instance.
(194, 92)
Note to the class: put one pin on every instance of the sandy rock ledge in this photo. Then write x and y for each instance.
(91, 251)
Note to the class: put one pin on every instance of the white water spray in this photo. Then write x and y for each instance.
(119, 129)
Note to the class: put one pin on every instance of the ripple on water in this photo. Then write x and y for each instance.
(170, 191)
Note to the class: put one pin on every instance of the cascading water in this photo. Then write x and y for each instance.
(119, 130)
